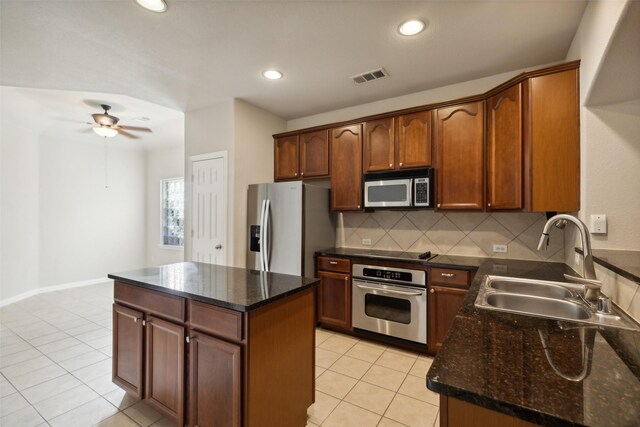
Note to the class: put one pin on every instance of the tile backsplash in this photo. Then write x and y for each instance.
(453, 233)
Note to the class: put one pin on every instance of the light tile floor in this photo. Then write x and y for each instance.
(55, 370)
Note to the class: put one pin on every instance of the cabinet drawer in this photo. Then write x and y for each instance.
(167, 306)
(450, 277)
(215, 320)
(341, 265)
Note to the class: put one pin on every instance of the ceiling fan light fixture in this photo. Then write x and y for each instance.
(153, 5)
(105, 131)
(272, 74)
(411, 27)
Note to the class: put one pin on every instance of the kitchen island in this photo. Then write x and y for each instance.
(496, 368)
(213, 345)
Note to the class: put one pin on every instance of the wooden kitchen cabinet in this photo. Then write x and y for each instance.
(154, 322)
(314, 154)
(286, 158)
(379, 145)
(459, 134)
(302, 156)
(128, 357)
(552, 142)
(214, 378)
(164, 389)
(346, 165)
(413, 140)
(401, 142)
(447, 290)
(504, 150)
(334, 299)
(334, 292)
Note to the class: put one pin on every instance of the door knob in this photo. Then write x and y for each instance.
(218, 246)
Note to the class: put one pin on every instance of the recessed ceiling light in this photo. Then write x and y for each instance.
(272, 74)
(153, 5)
(411, 28)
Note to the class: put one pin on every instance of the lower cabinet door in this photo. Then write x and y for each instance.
(127, 349)
(214, 378)
(165, 367)
(444, 304)
(334, 299)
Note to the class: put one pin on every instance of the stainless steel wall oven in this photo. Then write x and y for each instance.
(390, 301)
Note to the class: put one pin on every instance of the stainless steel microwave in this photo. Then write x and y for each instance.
(399, 189)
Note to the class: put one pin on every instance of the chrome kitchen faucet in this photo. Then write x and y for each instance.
(588, 279)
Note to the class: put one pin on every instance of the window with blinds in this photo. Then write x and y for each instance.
(172, 211)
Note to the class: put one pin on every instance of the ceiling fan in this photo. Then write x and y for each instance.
(107, 125)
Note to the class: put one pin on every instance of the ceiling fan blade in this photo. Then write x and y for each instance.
(135, 128)
(127, 134)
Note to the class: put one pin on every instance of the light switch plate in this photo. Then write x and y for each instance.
(598, 224)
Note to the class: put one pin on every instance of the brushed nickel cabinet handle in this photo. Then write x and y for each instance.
(390, 165)
(295, 174)
(346, 279)
(333, 262)
(448, 274)
(144, 323)
(431, 291)
(400, 163)
(489, 204)
(301, 173)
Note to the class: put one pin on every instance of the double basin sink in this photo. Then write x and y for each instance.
(540, 298)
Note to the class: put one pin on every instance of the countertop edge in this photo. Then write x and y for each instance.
(212, 301)
(527, 414)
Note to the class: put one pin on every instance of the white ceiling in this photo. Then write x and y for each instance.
(66, 113)
(199, 52)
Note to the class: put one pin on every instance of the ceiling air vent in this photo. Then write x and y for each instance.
(369, 76)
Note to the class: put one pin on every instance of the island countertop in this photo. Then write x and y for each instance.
(498, 361)
(238, 289)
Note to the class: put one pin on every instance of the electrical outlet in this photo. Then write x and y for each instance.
(366, 242)
(500, 249)
(499, 268)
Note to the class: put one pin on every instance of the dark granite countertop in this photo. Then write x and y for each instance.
(497, 360)
(408, 257)
(624, 263)
(238, 289)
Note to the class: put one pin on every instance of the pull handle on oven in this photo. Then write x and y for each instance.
(388, 291)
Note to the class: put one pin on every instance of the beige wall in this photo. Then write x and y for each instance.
(244, 132)
(209, 130)
(253, 128)
(161, 164)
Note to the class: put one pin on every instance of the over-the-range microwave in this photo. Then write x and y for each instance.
(410, 188)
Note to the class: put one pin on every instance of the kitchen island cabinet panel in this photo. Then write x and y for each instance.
(250, 358)
(214, 377)
(128, 357)
(165, 366)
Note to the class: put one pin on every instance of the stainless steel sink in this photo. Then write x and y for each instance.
(541, 298)
(547, 307)
(539, 289)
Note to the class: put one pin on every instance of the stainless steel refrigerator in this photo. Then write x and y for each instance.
(288, 222)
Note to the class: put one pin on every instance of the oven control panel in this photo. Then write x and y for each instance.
(390, 274)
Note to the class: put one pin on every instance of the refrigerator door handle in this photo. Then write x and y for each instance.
(266, 235)
(262, 240)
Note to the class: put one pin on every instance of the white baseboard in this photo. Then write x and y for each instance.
(52, 288)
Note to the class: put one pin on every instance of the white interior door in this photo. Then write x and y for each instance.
(208, 210)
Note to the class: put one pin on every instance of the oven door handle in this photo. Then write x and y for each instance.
(388, 291)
